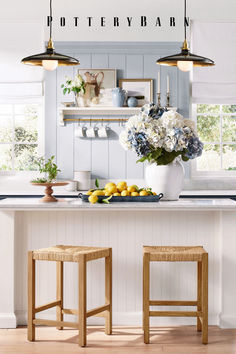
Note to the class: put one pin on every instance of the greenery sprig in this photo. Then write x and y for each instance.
(48, 167)
(77, 85)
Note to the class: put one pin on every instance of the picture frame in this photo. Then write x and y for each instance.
(98, 85)
(138, 88)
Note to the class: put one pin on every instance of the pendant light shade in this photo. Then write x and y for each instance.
(50, 59)
(185, 60)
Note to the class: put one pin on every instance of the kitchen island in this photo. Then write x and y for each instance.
(27, 223)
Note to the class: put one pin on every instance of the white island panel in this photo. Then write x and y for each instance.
(125, 228)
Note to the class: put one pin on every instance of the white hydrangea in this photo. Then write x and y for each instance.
(123, 139)
(147, 132)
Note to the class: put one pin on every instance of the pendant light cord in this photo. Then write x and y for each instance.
(50, 18)
(185, 27)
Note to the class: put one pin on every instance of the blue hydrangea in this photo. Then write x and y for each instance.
(139, 143)
(194, 148)
(153, 111)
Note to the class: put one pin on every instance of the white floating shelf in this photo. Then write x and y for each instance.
(96, 111)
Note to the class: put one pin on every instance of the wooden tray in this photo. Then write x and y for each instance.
(146, 198)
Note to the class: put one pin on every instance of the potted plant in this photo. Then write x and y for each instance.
(163, 139)
(50, 170)
(77, 86)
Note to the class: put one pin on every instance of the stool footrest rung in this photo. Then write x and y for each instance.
(39, 321)
(47, 306)
(97, 310)
(175, 313)
(172, 303)
(70, 312)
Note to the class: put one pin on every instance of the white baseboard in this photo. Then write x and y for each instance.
(7, 320)
(122, 319)
(227, 321)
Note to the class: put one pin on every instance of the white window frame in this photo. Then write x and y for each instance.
(41, 139)
(196, 174)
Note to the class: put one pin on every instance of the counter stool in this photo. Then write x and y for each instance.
(81, 255)
(177, 254)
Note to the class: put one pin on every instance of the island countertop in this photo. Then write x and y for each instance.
(77, 204)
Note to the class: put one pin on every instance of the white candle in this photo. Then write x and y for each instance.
(158, 82)
(168, 84)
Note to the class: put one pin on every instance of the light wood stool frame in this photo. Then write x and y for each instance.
(81, 312)
(202, 292)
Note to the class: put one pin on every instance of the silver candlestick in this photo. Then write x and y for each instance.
(167, 99)
(159, 99)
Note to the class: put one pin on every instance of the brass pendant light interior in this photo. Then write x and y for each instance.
(185, 60)
(50, 59)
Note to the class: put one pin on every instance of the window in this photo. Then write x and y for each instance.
(216, 126)
(20, 135)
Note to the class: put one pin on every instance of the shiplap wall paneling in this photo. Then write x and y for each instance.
(126, 232)
(118, 62)
(100, 158)
(65, 135)
(82, 151)
(51, 114)
(183, 93)
(134, 66)
(150, 71)
(135, 70)
(131, 61)
(100, 61)
(117, 155)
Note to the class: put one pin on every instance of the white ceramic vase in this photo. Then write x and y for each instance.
(166, 179)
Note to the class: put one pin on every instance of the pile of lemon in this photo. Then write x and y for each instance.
(119, 189)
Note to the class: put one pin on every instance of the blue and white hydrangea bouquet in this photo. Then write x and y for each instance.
(160, 136)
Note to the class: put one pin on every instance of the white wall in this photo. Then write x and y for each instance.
(210, 10)
(19, 39)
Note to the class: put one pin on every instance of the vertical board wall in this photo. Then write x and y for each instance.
(105, 157)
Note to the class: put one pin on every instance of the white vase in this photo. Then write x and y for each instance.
(80, 100)
(166, 179)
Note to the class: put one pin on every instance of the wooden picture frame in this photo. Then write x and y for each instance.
(137, 88)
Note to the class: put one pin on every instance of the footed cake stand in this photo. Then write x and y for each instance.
(48, 198)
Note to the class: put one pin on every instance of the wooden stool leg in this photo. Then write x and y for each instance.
(59, 294)
(31, 296)
(108, 292)
(199, 294)
(146, 286)
(82, 301)
(205, 298)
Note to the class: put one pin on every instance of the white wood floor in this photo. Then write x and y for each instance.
(178, 340)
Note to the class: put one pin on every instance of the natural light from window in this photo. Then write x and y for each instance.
(216, 125)
(19, 136)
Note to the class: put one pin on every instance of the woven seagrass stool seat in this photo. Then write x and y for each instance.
(177, 254)
(81, 255)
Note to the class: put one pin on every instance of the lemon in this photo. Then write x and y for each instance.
(111, 189)
(121, 186)
(134, 194)
(154, 193)
(109, 185)
(93, 199)
(107, 194)
(132, 188)
(116, 194)
(98, 192)
(89, 193)
(143, 193)
(125, 193)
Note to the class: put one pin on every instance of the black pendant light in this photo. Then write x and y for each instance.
(50, 59)
(185, 60)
